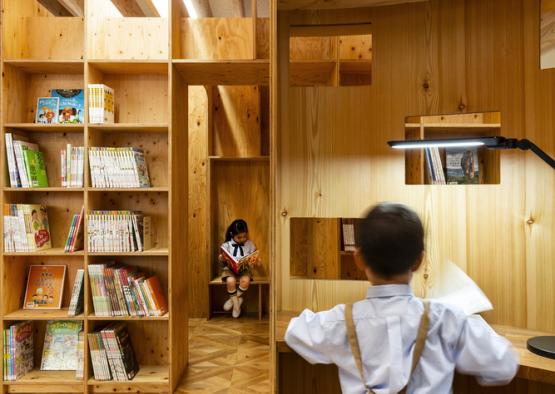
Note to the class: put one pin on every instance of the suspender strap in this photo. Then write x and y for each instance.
(418, 347)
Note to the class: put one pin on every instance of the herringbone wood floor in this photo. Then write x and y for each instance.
(227, 356)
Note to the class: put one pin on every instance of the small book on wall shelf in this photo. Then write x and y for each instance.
(17, 341)
(26, 166)
(112, 354)
(124, 291)
(434, 166)
(118, 231)
(77, 294)
(61, 345)
(462, 166)
(118, 167)
(72, 161)
(348, 230)
(74, 240)
(236, 265)
(26, 228)
(101, 104)
(71, 108)
(45, 287)
(47, 110)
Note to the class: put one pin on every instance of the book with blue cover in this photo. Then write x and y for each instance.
(47, 110)
(72, 105)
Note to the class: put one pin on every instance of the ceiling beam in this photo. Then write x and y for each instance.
(75, 7)
(136, 8)
(55, 8)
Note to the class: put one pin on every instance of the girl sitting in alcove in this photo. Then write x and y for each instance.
(237, 256)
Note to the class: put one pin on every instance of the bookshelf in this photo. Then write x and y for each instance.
(41, 52)
(452, 126)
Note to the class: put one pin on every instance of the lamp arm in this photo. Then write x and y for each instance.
(525, 144)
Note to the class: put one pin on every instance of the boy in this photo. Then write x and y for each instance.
(395, 341)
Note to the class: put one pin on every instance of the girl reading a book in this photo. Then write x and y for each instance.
(237, 246)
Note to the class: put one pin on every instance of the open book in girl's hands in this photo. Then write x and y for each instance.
(236, 265)
(455, 287)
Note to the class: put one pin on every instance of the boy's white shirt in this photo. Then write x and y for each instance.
(248, 248)
(386, 324)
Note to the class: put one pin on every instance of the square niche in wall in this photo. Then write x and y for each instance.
(547, 34)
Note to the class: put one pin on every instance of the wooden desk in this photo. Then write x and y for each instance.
(533, 368)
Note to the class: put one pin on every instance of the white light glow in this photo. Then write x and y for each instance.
(191, 9)
(162, 7)
(437, 145)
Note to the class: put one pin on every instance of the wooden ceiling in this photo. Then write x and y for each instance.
(327, 4)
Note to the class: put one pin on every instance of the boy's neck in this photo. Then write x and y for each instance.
(396, 280)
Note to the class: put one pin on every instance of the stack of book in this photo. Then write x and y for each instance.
(101, 104)
(112, 354)
(26, 228)
(26, 166)
(74, 240)
(123, 291)
(434, 167)
(348, 239)
(118, 231)
(72, 161)
(77, 294)
(17, 341)
(118, 167)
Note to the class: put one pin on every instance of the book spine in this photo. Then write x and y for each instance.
(12, 165)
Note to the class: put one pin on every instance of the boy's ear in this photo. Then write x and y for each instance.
(418, 262)
(359, 260)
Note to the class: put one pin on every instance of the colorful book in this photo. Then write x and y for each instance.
(45, 286)
(36, 169)
(462, 165)
(71, 105)
(101, 104)
(60, 351)
(77, 294)
(236, 265)
(18, 350)
(47, 110)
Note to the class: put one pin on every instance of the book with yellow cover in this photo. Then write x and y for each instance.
(45, 286)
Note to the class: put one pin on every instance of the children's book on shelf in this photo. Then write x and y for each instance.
(77, 294)
(71, 105)
(112, 354)
(47, 110)
(124, 291)
(118, 167)
(26, 228)
(434, 166)
(26, 164)
(18, 354)
(61, 345)
(74, 240)
(462, 165)
(45, 287)
(236, 265)
(72, 161)
(101, 104)
(348, 235)
(79, 372)
(118, 231)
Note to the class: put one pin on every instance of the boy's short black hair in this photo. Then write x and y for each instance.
(390, 239)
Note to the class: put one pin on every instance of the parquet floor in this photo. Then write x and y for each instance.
(227, 356)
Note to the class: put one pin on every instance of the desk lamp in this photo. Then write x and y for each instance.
(541, 345)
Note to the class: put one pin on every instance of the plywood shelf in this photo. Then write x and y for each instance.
(147, 375)
(129, 318)
(150, 252)
(43, 128)
(131, 66)
(130, 127)
(38, 377)
(246, 158)
(313, 73)
(58, 252)
(155, 189)
(30, 66)
(224, 72)
(42, 314)
(44, 189)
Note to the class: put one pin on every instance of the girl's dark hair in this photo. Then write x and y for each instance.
(238, 226)
(390, 238)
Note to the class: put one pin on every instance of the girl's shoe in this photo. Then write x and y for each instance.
(237, 301)
(228, 304)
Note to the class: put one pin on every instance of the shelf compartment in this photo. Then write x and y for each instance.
(22, 87)
(36, 378)
(228, 72)
(140, 91)
(149, 379)
(355, 72)
(154, 145)
(31, 32)
(43, 128)
(16, 269)
(313, 73)
(32, 314)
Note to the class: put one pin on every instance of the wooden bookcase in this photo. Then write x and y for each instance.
(452, 126)
(41, 52)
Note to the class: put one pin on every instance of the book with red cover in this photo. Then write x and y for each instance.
(158, 295)
(45, 286)
(245, 261)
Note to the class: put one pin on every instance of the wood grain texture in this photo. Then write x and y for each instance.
(334, 161)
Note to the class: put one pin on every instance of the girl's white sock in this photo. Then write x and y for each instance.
(240, 291)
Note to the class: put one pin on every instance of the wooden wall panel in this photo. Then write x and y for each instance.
(439, 57)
